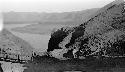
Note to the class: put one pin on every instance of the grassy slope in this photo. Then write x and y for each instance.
(47, 64)
(13, 44)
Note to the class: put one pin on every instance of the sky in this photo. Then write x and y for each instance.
(50, 5)
(1, 21)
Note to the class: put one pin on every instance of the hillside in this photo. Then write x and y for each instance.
(13, 45)
(102, 34)
(75, 17)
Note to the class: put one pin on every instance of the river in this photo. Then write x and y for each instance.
(37, 41)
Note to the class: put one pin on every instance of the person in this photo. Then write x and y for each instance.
(75, 52)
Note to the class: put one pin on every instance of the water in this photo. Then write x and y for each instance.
(38, 41)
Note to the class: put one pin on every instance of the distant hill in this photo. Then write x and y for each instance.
(76, 17)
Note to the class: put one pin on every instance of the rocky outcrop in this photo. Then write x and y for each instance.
(102, 34)
(14, 46)
(57, 37)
